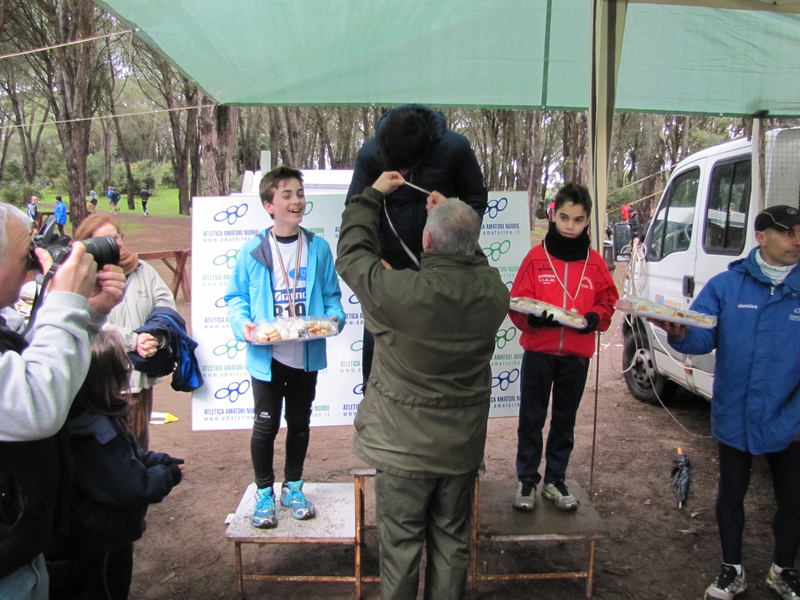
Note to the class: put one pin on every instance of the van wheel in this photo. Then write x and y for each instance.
(641, 375)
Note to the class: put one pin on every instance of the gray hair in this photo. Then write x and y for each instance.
(9, 212)
(454, 227)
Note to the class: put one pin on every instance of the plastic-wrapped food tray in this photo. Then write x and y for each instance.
(641, 307)
(537, 307)
(295, 329)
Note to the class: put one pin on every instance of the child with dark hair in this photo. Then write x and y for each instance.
(283, 271)
(565, 271)
(113, 481)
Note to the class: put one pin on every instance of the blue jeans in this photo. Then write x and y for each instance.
(29, 582)
(542, 373)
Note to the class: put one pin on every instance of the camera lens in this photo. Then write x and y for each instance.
(103, 249)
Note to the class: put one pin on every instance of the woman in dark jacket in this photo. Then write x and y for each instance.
(113, 480)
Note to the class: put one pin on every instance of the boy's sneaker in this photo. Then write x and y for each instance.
(526, 496)
(559, 493)
(727, 584)
(292, 496)
(784, 584)
(264, 516)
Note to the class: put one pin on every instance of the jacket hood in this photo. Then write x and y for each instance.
(87, 423)
(749, 265)
(436, 120)
(263, 252)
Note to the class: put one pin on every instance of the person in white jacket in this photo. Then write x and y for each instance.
(144, 291)
(40, 374)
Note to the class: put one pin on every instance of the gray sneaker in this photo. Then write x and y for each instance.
(559, 494)
(727, 584)
(526, 496)
(784, 584)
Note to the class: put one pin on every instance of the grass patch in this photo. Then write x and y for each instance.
(164, 203)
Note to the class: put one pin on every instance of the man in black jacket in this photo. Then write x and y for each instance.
(414, 140)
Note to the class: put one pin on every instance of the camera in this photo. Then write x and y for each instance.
(103, 249)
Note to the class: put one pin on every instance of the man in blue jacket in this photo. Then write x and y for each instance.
(60, 214)
(414, 140)
(755, 406)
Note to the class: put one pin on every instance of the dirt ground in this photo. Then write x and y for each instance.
(654, 551)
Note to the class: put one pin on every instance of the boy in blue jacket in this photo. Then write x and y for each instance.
(755, 404)
(284, 271)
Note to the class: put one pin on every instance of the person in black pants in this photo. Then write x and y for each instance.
(755, 407)
(414, 140)
(145, 194)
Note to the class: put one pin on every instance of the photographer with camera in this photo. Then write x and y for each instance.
(41, 373)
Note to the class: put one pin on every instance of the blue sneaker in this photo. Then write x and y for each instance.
(292, 496)
(264, 516)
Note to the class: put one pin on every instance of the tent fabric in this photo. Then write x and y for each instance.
(486, 53)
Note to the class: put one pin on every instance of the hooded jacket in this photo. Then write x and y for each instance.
(755, 404)
(176, 357)
(250, 298)
(426, 403)
(450, 167)
(113, 483)
(536, 279)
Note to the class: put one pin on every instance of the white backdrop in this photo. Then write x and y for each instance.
(221, 225)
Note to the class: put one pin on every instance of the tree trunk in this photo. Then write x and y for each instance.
(217, 130)
(535, 165)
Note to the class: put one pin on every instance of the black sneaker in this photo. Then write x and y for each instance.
(727, 584)
(784, 584)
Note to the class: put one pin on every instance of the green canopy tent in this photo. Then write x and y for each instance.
(603, 55)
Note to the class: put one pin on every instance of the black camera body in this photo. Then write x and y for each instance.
(103, 249)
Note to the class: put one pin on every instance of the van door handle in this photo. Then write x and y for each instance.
(688, 286)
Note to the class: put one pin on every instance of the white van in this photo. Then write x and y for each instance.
(703, 222)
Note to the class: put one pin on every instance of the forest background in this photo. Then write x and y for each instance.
(84, 104)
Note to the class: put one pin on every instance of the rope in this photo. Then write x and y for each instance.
(101, 117)
(91, 39)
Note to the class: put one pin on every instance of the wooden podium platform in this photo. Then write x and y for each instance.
(493, 520)
(340, 520)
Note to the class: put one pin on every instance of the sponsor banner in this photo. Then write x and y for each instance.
(219, 228)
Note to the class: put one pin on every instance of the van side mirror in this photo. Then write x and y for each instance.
(623, 236)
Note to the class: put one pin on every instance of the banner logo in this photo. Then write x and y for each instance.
(497, 249)
(231, 214)
(505, 379)
(496, 206)
(230, 348)
(504, 336)
(233, 390)
(228, 259)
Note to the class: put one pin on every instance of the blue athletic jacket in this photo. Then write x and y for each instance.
(755, 402)
(250, 298)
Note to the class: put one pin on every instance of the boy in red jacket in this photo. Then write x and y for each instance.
(564, 270)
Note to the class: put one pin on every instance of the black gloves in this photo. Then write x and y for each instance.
(592, 321)
(544, 320)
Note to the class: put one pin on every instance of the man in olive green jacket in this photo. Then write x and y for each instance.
(422, 423)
